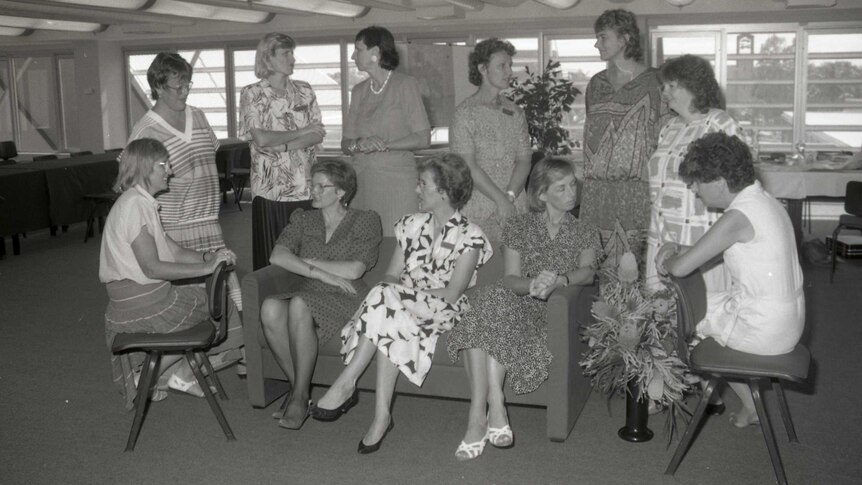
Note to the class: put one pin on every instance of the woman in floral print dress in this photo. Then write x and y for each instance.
(281, 120)
(400, 320)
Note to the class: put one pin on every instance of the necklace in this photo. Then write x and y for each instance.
(378, 91)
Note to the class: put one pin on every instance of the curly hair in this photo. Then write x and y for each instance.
(340, 173)
(482, 53)
(695, 74)
(136, 162)
(266, 49)
(451, 175)
(165, 65)
(718, 155)
(380, 37)
(545, 173)
(625, 25)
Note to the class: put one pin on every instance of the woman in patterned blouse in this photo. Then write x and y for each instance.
(422, 296)
(281, 120)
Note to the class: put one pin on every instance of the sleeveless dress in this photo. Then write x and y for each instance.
(512, 328)
(497, 137)
(763, 313)
(402, 319)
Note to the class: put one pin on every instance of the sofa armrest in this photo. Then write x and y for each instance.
(256, 287)
(568, 388)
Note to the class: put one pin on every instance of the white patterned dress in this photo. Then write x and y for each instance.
(402, 319)
(676, 214)
(281, 176)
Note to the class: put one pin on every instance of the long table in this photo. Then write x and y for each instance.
(795, 184)
(50, 192)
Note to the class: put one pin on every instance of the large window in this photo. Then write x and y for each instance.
(786, 84)
(579, 60)
(37, 103)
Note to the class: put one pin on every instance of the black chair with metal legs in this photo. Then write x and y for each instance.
(192, 343)
(708, 358)
(851, 220)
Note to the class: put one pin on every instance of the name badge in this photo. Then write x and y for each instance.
(507, 111)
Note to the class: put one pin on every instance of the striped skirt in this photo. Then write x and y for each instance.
(153, 308)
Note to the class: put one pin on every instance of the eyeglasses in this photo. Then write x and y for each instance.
(182, 87)
(320, 187)
(166, 164)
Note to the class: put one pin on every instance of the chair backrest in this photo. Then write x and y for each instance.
(44, 157)
(690, 309)
(8, 150)
(853, 198)
(217, 298)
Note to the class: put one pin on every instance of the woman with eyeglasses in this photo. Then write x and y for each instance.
(331, 247)
(281, 120)
(385, 123)
(139, 264)
(190, 207)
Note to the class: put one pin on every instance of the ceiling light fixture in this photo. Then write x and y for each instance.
(14, 31)
(560, 4)
(322, 7)
(180, 9)
(47, 24)
(679, 3)
(474, 5)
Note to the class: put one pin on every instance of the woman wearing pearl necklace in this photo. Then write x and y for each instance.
(385, 123)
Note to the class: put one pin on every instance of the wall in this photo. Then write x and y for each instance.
(103, 66)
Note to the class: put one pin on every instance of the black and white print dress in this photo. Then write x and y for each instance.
(402, 319)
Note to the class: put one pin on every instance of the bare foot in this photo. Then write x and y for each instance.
(744, 418)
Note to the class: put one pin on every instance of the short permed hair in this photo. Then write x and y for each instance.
(482, 53)
(695, 74)
(718, 155)
(380, 37)
(340, 173)
(545, 173)
(266, 49)
(136, 162)
(451, 175)
(625, 25)
(165, 65)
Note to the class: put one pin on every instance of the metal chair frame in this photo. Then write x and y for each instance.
(192, 343)
(851, 220)
(719, 363)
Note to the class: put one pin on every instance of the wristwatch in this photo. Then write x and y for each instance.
(354, 147)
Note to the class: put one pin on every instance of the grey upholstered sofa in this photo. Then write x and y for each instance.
(563, 394)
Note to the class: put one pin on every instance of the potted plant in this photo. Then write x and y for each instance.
(546, 97)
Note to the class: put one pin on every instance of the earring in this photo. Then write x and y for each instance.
(373, 58)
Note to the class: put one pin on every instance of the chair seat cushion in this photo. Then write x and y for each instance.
(200, 335)
(710, 357)
(850, 220)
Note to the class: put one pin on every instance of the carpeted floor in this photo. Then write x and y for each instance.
(61, 421)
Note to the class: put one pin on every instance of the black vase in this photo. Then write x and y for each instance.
(637, 415)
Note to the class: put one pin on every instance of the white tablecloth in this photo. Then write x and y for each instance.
(797, 182)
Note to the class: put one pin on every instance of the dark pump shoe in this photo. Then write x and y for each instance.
(715, 409)
(366, 449)
(321, 414)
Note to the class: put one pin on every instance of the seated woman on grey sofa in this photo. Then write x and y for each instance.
(421, 297)
(332, 247)
(506, 332)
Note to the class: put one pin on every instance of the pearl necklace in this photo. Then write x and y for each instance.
(378, 91)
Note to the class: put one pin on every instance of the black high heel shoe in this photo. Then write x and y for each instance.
(321, 414)
(366, 449)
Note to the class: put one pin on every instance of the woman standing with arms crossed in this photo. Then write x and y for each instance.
(281, 120)
(624, 115)
(490, 133)
(386, 121)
